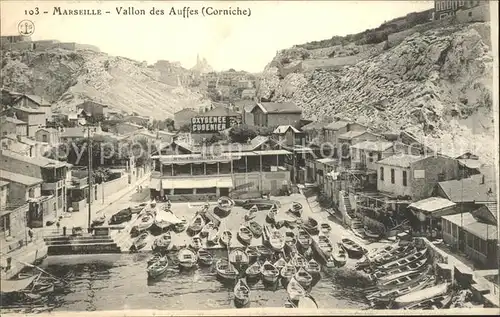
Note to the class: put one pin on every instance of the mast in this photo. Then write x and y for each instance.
(89, 172)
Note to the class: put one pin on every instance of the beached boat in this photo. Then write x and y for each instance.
(264, 251)
(396, 254)
(165, 219)
(311, 226)
(325, 228)
(304, 239)
(253, 254)
(384, 296)
(145, 222)
(207, 229)
(255, 228)
(226, 271)
(252, 212)
(253, 272)
(196, 224)
(269, 272)
(323, 247)
(308, 254)
(422, 295)
(187, 258)
(289, 304)
(330, 263)
(295, 290)
(271, 215)
(371, 234)
(162, 243)
(405, 280)
(353, 249)
(157, 268)
(238, 258)
(205, 258)
(213, 235)
(296, 209)
(196, 242)
(339, 255)
(313, 268)
(404, 261)
(287, 273)
(225, 238)
(276, 240)
(307, 302)
(245, 235)
(154, 259)
(99, 221)
(303, 278)
(280, 263)
(181, 226)
(224, 206)
(290, 238)
(140, 242)
(414, 266)
(436, 302)
(241, 293)
(298, 261)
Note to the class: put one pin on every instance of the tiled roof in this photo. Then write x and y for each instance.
(75, 132)
(19, 178)
(3, 183)
(13, 120)
(38, 160)
(337, 125)
(352, 134)
(38, 100)
(401, 160)
(51, 130)
(283, 128)
(316, 125)
(471, 189)
(188, 110)
(28, 110)
(470, 163)
(220, 111)
(470, 224)
(280, 107)
(432, 204)
(376, 146)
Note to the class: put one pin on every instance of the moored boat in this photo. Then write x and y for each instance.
(253, 254)
(403, 261)
(226, 271)
(181, 226)
(225, 238)
(311, 226)
(339, 255)
(238, 258)
(280, 263)
(205, 258)
(404, 280)
(145, 222)
(287, 273)
(303, 277)
(245, 235)
(187, 258)
(414, 266)
(422, 295)
(295, 290)
(162, 243)
(224, 206)
(253, 272)
(139, 242)
(207, 229)
(269, 272)
(276, 240)
(196, 224)
(298, 261)
(353, 249)
(255, 228)
(313, 268)
(271, 215)
(158, 267)
(296, 209)
(325, 228)
(241, 294)
(323, 247)
(435, 302)
(304, 239)
(213, 235)
(386, 296)
(252, 212)
(290, 238)
(264, 251)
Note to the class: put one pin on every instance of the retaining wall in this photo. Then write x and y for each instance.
(477, 14)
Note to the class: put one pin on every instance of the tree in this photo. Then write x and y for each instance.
(185, 127)
(242, 133)
(215, 138)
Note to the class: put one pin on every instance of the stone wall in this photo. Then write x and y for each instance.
(48, 44)
(477, 14)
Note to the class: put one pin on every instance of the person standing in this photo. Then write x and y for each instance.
(30, 234)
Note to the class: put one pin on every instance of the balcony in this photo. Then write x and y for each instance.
(53, 186)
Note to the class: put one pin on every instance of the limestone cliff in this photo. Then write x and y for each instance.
(435, 82)
(67, 77)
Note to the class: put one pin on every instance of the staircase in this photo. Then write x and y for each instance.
(348, 206)
(86, 244)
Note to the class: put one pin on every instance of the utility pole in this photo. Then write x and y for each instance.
(89, 170)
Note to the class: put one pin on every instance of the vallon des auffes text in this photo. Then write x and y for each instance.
(184, 12)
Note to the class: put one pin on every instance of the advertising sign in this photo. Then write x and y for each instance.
(213, 124)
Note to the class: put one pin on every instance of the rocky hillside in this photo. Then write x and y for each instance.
(68, 77)
(434, 81)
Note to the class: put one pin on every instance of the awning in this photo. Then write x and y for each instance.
(155, 184)
(225, 182)
(222, 182)
(9, 286)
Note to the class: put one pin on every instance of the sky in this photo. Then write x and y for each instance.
(240, 42)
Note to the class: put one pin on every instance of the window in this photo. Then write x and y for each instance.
(5, 224)
(31, 193)
(393, 176)
(381, 173)
(44, 138)
(405, 178)
(461, 3)
(470, 14)
(379, 156)
(438, 6)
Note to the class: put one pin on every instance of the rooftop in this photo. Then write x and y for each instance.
(401, 160)
(284, 128)
(316, 125)
(28, 110)
(37, 99)
(187, 110)
(470, 224)
(3, 183)
(38, 160)
(19, 178)
(76, 132)
(352, 134)
(337, 125)
(221, 111)
(279, 107)
(13, 120)
(432, 204)
(375, 146)
(471, 189)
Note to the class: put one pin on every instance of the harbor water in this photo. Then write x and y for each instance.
(119, 281)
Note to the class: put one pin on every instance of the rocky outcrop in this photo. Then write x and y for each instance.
(436, 84)
(66, 78)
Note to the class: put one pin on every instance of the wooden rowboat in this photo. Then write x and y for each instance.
(287, 273)
(253, 254)
(207, 229)
(264, 251)
(295, 290)
(404, 280)
(196, 242)
(140, 242)
(325, 228)
(311, 226)
(187, 258)
(414, 266)
(339, 255)
(157, 268)
(238, 258)
(213, 235)
(226, 271)
(425, 294)
(245, 235)
(180, 227)
(313, 268)
(196, 224)
(253, 272)
(162, 243)
(304, 278)
(225, 238)
(205, 258)
(269, 272)
(304, 239)
(307, 302)
(241, 294)
(404, 261)
(280, 263)
(145, 222)
(255, 228)
(298, 261)
(353, 249)
(276, 240)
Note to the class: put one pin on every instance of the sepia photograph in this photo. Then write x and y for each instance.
(241, 158)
